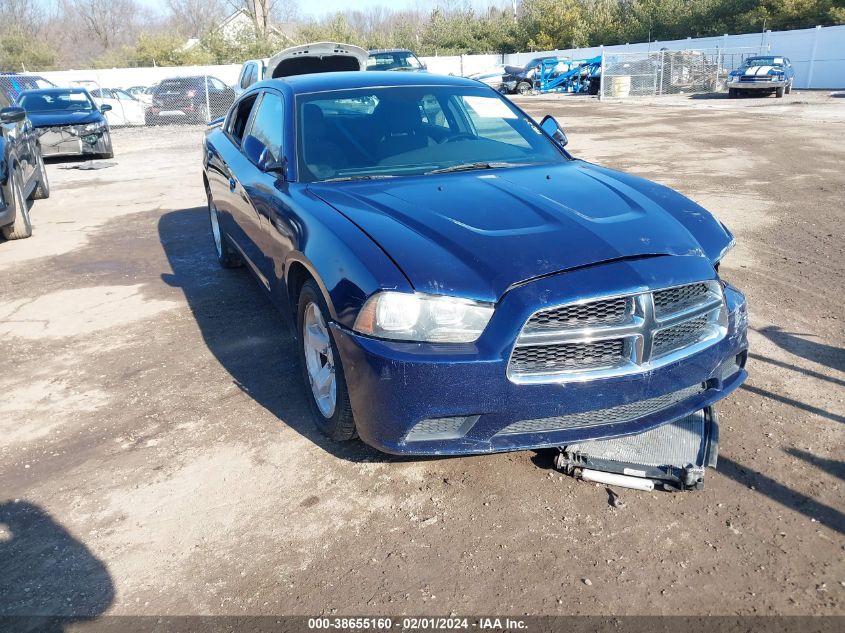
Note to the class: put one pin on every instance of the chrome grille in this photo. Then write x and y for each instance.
(611, 415)
(578, 355)
(618, 335)
(680, 335)
(606, 311)
(674, 299)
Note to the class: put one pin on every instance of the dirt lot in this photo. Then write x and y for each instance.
(156, 455)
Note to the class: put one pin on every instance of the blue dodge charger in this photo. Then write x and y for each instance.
(458, 281)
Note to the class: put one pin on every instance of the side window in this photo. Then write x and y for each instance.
(216, 84)
(239, 117)
(267, 124)
(245, 73)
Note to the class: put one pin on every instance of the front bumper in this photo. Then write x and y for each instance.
(71, 140)
(395, 386)
(757, 85)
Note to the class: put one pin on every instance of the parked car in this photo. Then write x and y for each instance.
(12, 84)
(251, 72)
(195, 99)
(520, 79)
(460, 283)
(394, 59)
(126, 110)
(23, 176)
(763, 74)
(68, 122)
(490, 76)
(302, 59)
(144, 94)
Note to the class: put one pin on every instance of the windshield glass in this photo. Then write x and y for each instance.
(394, 131)
(57, 102)
(764, 61)
(402, 60)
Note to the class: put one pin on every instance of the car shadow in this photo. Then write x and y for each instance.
(833, 467)
(797, 501)
(796, 343)
(48, 579)
(245, 331)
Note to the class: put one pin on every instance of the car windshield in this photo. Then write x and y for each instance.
(764, 61)
(401, 60)
(57, 102)
(395, 131)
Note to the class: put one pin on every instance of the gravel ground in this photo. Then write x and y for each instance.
(156, 455)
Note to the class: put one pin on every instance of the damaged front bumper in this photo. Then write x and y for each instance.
(74, 140)
(672, 456)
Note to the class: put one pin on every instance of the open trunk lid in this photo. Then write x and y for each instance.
(317, 57)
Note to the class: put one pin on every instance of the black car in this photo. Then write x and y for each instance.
(68, 122)
(197, 99)
(520, 79)
(23, 176)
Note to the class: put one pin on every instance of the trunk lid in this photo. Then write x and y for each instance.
(318, 57)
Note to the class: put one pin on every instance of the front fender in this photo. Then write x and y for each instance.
(346, 263)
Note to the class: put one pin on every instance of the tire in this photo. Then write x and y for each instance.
(523, 88)
(732, 93)
(227, 257)
(22, 226)
(42, 189)
(334, 419)
(779, 92)
(109, 153)
(788, 88)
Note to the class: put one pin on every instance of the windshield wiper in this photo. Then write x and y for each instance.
(360, 177)
(472, 167)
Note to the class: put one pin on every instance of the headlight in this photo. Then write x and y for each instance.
(734, 78)
(727, 249)
(94, 127)
(423, 318)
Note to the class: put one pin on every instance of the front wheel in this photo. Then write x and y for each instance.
(789, 87)
(779, 92)
(732, 93)
(322, 369)
(523, 88)
(22, 226)
(109, 153)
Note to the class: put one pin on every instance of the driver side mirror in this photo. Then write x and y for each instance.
(551, 127)
(262, 157)
(12, 114)
(105, 108)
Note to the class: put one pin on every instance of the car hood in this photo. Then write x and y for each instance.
(51, 119)
(318, 57)
(476, 234)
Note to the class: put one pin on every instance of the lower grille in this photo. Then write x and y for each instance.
(530, 360)
(612, 415)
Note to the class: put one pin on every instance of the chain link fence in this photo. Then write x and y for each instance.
(669, 72)
(176, 100)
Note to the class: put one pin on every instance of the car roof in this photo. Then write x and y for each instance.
(54, 91)
(374, 51)
(320, 82)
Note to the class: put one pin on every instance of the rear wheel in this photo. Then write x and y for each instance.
(226, 255)
(42, 189)
(322, 369)
(22, 226)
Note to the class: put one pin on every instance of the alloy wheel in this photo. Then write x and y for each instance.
(319, 360)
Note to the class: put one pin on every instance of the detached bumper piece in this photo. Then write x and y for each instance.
(672, 456)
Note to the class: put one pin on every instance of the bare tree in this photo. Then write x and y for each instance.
(196, 17)
(109, 23)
